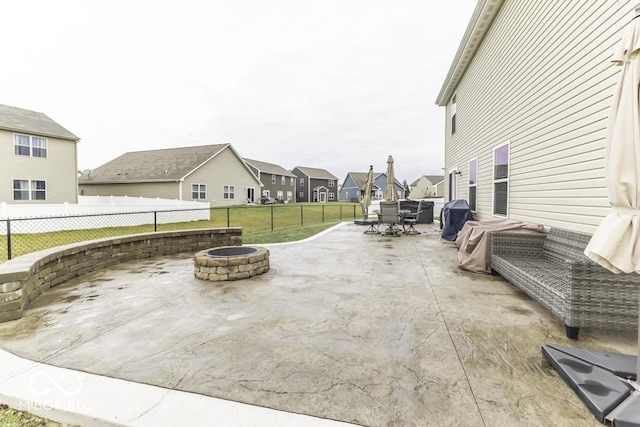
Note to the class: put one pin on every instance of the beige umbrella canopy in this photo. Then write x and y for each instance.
(616, 243)
(391, 194)
(368, 188)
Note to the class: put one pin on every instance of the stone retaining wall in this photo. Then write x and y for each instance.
(23, 278)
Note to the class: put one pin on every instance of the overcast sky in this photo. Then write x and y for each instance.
(331, 84)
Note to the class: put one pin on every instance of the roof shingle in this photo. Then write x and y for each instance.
(20, 120)
(171, 164)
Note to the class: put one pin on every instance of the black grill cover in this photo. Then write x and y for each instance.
(452, 218)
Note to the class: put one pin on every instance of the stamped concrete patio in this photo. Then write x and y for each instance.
(369, 330)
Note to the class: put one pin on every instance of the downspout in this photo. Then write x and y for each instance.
(180, 182)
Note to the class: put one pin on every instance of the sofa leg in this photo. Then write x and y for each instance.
(572, 332)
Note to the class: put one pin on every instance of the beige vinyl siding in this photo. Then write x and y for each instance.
(58, 169)
(542, 79)
(163, 190)
(223, 169)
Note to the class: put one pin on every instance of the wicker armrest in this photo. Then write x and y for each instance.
(521, 244)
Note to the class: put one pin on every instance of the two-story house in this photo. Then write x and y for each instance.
(352, 189)
(426, 186)
(315, 185)
(39, 156)
(277, 182)
(527, 101)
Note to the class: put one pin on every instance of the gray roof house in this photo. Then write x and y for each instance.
(352, 189)
(209, 173)
(315, 185)
(277, 182)
(40, 158)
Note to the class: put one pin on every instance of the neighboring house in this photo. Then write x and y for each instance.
(352, 189)
(425, 186)
(39, 159)
(210, 173)
(527, 101)
(315, 185)
(277, 182)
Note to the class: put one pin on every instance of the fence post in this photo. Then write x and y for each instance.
(340, 212)
(301, 217)
(8, 238)
(271, 218)
(155, 221)
(323, 214)
(228, 220)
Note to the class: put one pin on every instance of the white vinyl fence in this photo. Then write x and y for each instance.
(99, 212)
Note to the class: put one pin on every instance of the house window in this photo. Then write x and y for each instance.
(473, 184)
(273, 178)
(454, 108)
(229, 192)
(293, 180)
(501, 180)
(332, 196)
(301, 194)
(38, 190)
(25, 145)
(38, 147)
(301, 182)
(283, 180)
(198, 191)
(332, 183)
(266, 193)
(280, 195)
(289, 195)
(29, 190)
(20, 189)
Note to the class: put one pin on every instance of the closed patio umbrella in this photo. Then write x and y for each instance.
(368, 188)
(616, 243)
(392, 193)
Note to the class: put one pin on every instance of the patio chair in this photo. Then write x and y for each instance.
(389, 216)
(409, 221)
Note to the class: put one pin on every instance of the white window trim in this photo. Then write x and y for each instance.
(473, 185)
(453, 113)
(31, 147)
(30, 190)
(273, 178)
(497, 181)
(455, 172)
(227, 195)
(198, 191)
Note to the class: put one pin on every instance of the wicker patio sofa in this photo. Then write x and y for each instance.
(553, 270)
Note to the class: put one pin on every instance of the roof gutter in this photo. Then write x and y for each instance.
(481, 20)
(141, 181)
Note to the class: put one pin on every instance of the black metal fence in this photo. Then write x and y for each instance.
(24, 235)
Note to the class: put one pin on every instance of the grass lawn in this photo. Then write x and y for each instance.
(260, 224)
(12, 418)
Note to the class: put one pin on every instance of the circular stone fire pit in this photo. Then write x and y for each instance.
(231, 263)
